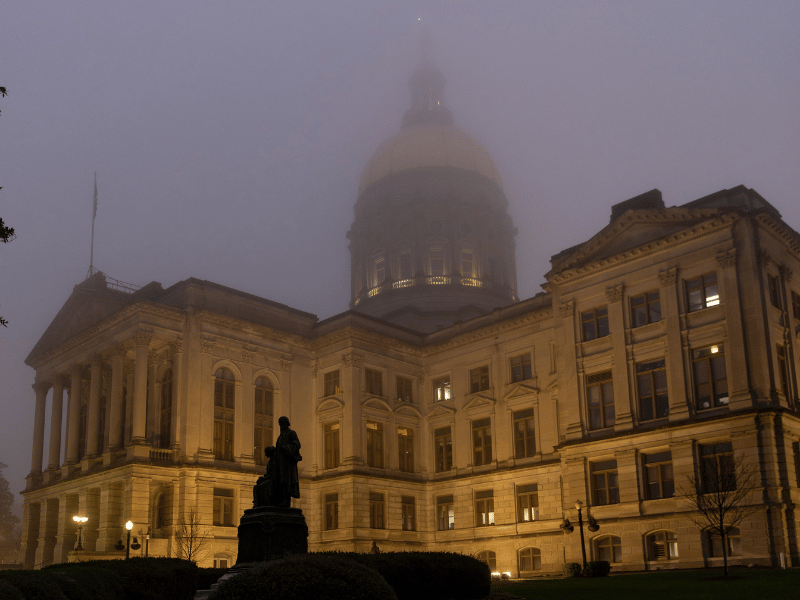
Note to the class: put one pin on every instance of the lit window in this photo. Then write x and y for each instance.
(405, 389)
(407, 513)
(376, 511)
(331, 443)
(374, 381)
(530, 559)
(524, 434)
(651, 380)
(262, 430)
(223, 507)
(520, 368)
(224, 385)
(600, 400)
(658, 481)
(645, 309)
(220, 563)
(405, 449)
(380, 271)
(375, 445)
(710, 378)
(662, 545)
(331, 383)
(605, 483)
(608, 548)
(484, 508)
(443, 447)
(441, 389)
(594, 323)
(467, 263)
(331, 511)
(482, 441)
(478, 379)
(702, 292)
(445, 512)
(527, 502)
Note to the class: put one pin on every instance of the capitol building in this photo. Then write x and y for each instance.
(440, 411)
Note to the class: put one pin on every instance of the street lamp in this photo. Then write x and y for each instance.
(128, 526)
(80, 521)
(579, 506)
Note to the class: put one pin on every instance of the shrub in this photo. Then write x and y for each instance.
(208, 576)
(9, 592)
(429, 575)
(571, 569)
(597, 568)
(33, 584)
(307, 576)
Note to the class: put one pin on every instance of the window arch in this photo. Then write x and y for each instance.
(608, 548)
(165, 412)
(529, 559)
(224, 403)
(162, 511)
(490, 558)
(262, 419)
(662, 545)
(733, 539)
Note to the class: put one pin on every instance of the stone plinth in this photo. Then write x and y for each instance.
(271, 532)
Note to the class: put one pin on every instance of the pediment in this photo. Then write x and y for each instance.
(377, 404)
(478, 400)
(330, 403)
(408, 411)
(522, 390)
(440, 411)
(83, 309)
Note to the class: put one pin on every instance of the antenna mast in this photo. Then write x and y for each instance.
(94, 214)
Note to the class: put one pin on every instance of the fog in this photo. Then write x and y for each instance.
(228, 138)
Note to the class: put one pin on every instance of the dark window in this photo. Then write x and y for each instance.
(658, 475)
(374, 379)
(651, 380)
(490, 558)
(710, 379)
(331, 443)
(375, 444)
(262, 424)
(437, 263)
(445, 512)
(527, 502)
(441, 389)
(600, 400)
(165, 414)
(484, 508)
(645, 309)
(443, 444)
(405, 388)
(478, 379)
(702, 292)
(405, 266)
(521, 368)
(796, 455)
(595, 323)
(376, 511)
(524, 434)
(733, 538)
(718, 469)
(332, 383)
(482, 442)
(224, 386)
(408, 508)
(608, 548)
(605, 484)
(530, 559)
(162, 511)
(380, 270)
(223, 507)
(662, 545)
(331, 511)
(783, 371)
(796, 305)
(405, 449)
(774, 291)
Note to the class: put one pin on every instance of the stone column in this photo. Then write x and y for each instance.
(130, 377)
(246, 414)
(93, 413)
(54, 456)
(115, 440)
(350, 433)
(73, 415)
(142, 339)
(177, 393)
(570, 413)
(41, 389)
(619, 374)
(676, 388)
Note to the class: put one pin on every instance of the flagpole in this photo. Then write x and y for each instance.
(94, 214)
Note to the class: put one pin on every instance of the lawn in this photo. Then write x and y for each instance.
(742, 584)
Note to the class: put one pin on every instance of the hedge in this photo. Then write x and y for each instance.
(306, 577)
(63, 584)
(208, 576)
(428, 575)
(594, 568)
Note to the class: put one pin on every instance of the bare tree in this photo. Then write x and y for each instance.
(191, 537)
(719, 492)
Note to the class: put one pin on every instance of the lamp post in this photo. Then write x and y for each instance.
(80, 521)
(579, 506)
(128, 526)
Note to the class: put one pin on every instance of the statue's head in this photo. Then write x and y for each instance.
(269, 451)
(283, 422)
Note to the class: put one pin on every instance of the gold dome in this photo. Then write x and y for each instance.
(428, 145)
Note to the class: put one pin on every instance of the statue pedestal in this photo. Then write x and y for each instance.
(271, 532)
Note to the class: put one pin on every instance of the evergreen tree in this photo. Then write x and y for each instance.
(8, 520)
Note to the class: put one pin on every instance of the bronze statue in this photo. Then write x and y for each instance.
(281, 481)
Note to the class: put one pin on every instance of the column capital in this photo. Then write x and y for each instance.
(285, 365)
(567, 309)
(352, 360)
(727, 258)
(176, 347)
(615, 293)
(61, 379)
(142, 337)
(96, 359)
(668, 277)
(41, 387)
(117, 350)
(153, 358)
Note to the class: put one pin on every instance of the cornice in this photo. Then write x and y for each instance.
(781, 231)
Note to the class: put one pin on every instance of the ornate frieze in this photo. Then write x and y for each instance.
(352, 360)
(668, 277)
(567, 309)
(248, 355)
(786, 272)
(206, 346)
(285, 365)
(153, 358)
(176, 347)
(142, 338)
(615, 293)
(727, 258)
(314, 372)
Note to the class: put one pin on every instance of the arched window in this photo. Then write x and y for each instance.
(83, 418)
(165, 414)
(734, 543)
(608, 548)
(101, 424)
(490, 558)
(262, 419)
(529, 559)
(162, 511)
(662, 545)
(224, 389)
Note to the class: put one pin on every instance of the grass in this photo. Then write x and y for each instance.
(742, 584)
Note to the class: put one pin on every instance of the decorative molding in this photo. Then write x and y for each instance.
(176, 347)
(762, 257)
(248, 355)
(142, 338)
(314, 372)
(615, 293)
(668, 277)
(727, 258)
(206, 346)
(785, 272)
(153, 358)
(41, 387)
(352, 360)
(285, 365)
(567, 309)
(117, 350)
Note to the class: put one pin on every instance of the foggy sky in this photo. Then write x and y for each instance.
(228, 138)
